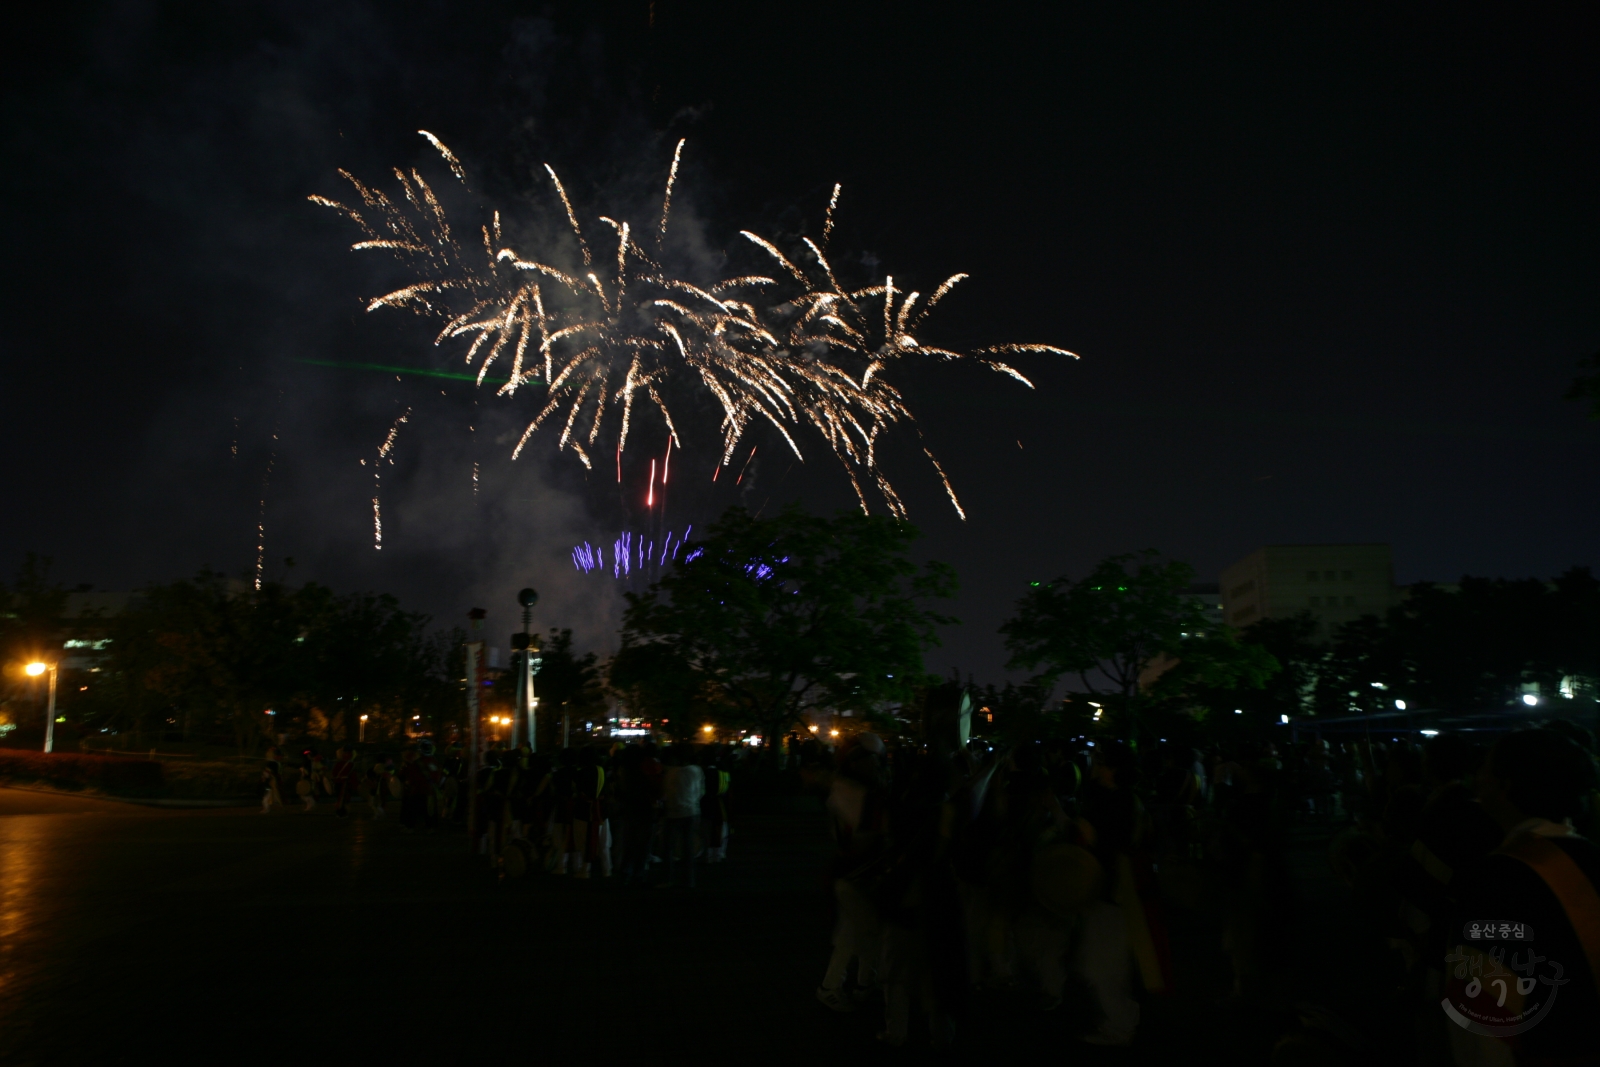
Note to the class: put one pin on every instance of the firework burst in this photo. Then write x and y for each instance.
(791, 350)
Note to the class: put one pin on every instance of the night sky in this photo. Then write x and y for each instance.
(1330, 269)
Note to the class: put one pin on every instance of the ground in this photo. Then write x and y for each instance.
(224, 935)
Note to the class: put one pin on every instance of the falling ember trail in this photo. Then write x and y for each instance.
(747, 460)
(261, 517)
(386, 452)
(650, 497)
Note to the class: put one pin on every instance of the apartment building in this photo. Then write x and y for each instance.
(1335, 583)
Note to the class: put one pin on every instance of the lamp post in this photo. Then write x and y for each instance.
(526, 701)
(35, 669)
(362, 734)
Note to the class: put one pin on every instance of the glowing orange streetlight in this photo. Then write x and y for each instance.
(33, 670)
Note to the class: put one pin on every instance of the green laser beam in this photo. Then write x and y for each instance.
(415, 372)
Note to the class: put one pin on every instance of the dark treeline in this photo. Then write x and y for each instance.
(770, 626)
(1143, 659)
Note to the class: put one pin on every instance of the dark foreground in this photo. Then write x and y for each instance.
(128, 933)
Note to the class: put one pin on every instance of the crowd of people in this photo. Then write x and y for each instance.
(583, 811)
(1046, 867)
(1028, 866)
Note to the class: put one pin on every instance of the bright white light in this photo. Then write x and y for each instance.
(34, 669)
(629, 732)
(1283, 719)
(1429, 733)
(1529, 699)
(1238, 711)
(1400, 705)
(1379, 685)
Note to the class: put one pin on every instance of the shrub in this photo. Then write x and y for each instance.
(72, 770)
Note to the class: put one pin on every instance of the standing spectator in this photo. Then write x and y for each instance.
(640, 793)
(683, 784)
(590, 831)
(272, 780)
(563, 794)
(1543, 875)
(378, 785)
(415, 788)
(344, 780)
(1105, 955)
(497, 780)
(858, 811)
(307, 788)
(714, 807)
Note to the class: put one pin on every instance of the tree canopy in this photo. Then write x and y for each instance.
(1108, 629)
(766, 619)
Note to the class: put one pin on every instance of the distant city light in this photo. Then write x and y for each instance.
(1527, 698)
(1238, 711)
(1429, 733)
(1400, 705)
(1283, 719)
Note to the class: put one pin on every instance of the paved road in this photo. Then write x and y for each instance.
(226, 936)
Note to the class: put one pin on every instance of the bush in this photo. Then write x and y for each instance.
(72, 770)
(194, 780)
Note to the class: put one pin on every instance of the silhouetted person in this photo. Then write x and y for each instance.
(1543, 875)
(683, 784)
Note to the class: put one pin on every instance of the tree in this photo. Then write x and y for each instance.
(361, 651)
(208, 655)
(32, 626)
(765, 620)
(1110, 627)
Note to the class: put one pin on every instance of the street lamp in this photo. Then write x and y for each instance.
(33, 670)
(361, 736)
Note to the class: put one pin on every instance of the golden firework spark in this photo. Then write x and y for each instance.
(792, 351)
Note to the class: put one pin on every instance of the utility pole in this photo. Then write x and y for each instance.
(526, 644)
